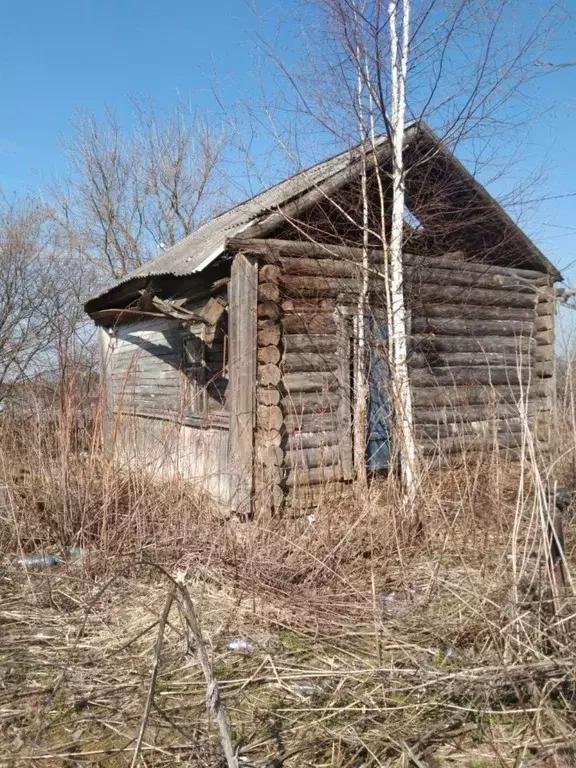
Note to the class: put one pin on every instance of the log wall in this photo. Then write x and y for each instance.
(481, 340)
(481, 343)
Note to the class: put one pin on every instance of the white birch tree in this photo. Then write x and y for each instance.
(368, 67)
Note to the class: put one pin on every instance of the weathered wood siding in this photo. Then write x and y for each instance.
(166, 449)
(150, 405)
(146, 368)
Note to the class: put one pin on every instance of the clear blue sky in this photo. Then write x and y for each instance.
(59, 58)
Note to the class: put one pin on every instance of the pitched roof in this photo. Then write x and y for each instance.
(201, 248)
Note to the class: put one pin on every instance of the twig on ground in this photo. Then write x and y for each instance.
(155, 665)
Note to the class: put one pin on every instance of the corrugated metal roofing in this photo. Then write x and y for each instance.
(199, 249)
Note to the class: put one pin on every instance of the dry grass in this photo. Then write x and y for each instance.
(381, 635)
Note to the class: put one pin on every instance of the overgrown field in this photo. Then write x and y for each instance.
(374, 634)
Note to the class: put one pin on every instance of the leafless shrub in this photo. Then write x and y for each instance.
(131, 194)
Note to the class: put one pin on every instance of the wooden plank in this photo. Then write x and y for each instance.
(106, 348)
(243, 300)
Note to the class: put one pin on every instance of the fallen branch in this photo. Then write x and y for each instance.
(154, 675)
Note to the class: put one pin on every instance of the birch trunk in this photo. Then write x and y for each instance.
(398, 334)
(361, 393)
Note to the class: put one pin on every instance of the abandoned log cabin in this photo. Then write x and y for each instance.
(229, 360)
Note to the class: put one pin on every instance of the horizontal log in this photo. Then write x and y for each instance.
(269, 375)
(543, 368)
(308, 287)
(268, 310)
(428, 343)
(415, 275)
(308, 323)
(268, 292)
(269, 354)
(308, 305)
(450, 294)
(307, 458)
(269, 273)
(457, 327)
(311, 402)
(482, 429)
(302, 266)
(423, 397)
(544, 352)
(267, 395)
(545, 337)
(302, 440)
(308, 343)
(277, 248)
(267, 474)
(269, 336)
(310, 382)
(464, 274)
(474, 375)
(474, 413)
(271, 455)
(544, 309)
(269, 417)
(268, 437)
(314, 476)
(309, 361)
(433, 359)
(429, 446)
(545, 323)
(471, 312)
(312, 422)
